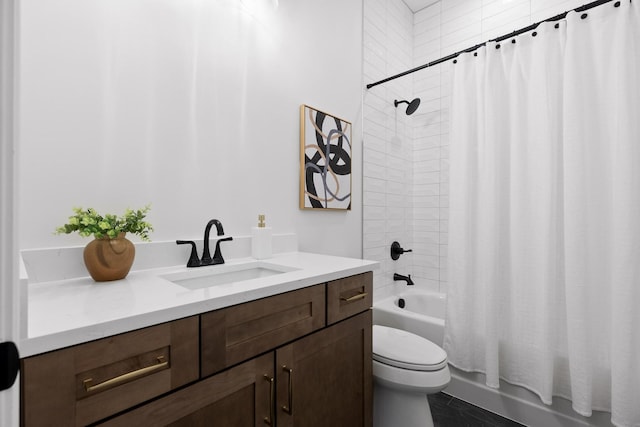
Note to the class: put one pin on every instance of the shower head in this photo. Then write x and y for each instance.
(411, 108)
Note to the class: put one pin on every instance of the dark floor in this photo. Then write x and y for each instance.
(448, 411)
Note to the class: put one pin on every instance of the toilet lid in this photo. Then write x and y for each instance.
(403, 349)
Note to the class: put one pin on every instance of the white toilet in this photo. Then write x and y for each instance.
(406, 367)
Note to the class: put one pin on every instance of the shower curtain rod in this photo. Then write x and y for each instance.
(498, 39)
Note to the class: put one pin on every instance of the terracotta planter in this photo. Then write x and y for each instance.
(109, 259)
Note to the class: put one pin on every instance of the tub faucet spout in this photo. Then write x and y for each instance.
(406, 278)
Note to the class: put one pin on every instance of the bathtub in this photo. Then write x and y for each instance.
(423, 314)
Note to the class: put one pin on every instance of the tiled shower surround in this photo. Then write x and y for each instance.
(406, 165)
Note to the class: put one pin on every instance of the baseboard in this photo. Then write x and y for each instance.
(519, 404)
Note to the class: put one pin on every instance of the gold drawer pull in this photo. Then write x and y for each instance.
(289, 408)
(354, 298)
(269, 420)
(125, 377)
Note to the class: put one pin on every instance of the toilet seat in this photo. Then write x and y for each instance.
(402, 349)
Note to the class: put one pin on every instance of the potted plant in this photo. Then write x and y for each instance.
(110, 255)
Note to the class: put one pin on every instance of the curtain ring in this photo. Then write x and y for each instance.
(583, 16)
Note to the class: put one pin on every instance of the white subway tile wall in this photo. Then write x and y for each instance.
(406, 158)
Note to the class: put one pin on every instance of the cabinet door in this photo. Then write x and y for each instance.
(325, 379)
(240, 397)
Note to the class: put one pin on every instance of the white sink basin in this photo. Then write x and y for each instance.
(215, 275)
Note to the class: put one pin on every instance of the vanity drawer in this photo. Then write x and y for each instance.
(349, 296)
(238, 333)
(88, 382)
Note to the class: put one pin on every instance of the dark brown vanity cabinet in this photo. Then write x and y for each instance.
(302, 358)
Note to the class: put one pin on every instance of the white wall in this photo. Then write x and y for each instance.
(388, 148)
(410, 164)
(189, 105)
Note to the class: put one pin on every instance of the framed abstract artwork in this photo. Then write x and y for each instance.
(325, 160)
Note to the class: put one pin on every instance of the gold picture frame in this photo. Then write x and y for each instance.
(325, 160)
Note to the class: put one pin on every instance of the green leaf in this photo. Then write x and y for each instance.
(89, 222)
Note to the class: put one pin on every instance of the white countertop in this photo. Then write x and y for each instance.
(72, 311)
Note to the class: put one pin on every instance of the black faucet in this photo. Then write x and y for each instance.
(407, 278)
(206, 255)
(397, 250)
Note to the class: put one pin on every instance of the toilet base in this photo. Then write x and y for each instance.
(393, 408)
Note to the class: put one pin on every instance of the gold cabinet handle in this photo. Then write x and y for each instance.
(289, 409)
(269, 419)
(125, 377)
(354, 298)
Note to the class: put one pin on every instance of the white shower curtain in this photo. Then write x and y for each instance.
(544, 226)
